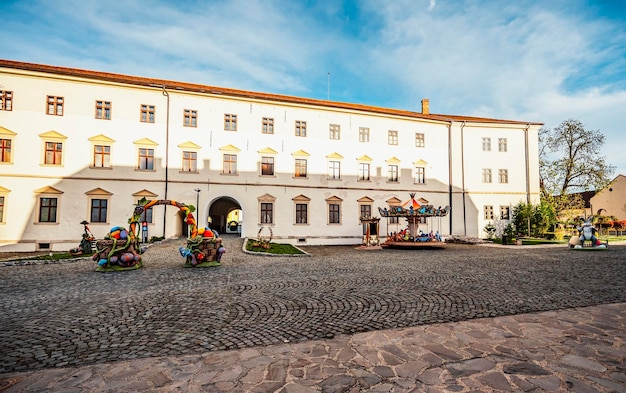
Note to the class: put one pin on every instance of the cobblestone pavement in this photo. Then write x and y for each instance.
(342, 320)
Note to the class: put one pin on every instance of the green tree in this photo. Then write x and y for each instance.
(542, 218)
(570, 161)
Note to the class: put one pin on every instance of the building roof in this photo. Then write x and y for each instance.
(213, 90)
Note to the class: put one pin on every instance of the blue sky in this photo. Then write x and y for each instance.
(539, 61)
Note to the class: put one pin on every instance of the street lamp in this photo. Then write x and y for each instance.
(197, 190)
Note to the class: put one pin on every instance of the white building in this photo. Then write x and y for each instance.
(84, 145)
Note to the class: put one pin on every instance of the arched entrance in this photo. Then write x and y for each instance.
(224, 211)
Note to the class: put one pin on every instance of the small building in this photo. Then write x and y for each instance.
(611, 200)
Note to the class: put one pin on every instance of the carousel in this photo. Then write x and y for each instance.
(412, 236)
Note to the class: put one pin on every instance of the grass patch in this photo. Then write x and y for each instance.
(53, 257)
(274, 248)
(533, 241)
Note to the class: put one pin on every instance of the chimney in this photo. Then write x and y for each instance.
(425, 104)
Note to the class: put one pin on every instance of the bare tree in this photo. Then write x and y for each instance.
(570, 161)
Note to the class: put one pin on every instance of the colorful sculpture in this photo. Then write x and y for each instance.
(587, 238)
(120, 249)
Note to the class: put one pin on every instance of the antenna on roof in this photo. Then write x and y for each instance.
(328, 86)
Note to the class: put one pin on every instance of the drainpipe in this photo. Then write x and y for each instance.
(463, 179)
(167, 148)
(450, 174)
(527, 171)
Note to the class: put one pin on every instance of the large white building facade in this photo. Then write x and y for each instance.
(84, 145)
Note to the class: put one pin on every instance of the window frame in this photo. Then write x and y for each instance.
(147, 113)
(503, 176)
(334, 132)
(100, 210)
(190, 118)
(419, 175)
(6, 96)
(148, 159)
(393, 173)
(103, 110)
(502, 145)
(268, 166)
(505, 212)
(334, 170)
(103, 154)
(55, 105)
(298, 168)
(300, 128)
(231, 164)
(334, 213)
(487, 176)
(266, 213)
(6, 150)
(420, 139)
(230, 122)
(267, 125)
(364, 171)
(364, 134)
(488, 212)
(365, 210)
(486, 142)
(51, 209)
(55, 151)
(189, 161)
(392, 137)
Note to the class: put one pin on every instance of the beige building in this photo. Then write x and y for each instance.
(611, 200)
(84, 145)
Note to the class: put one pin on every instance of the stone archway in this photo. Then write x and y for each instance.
(219, 210)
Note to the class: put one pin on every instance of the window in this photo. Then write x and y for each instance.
(488, 212)
(101, 156)
(6, 100)
(103, 110)
(54, 106)
(147, 113)
(301, 213)
(333, 213)
(230, 122)
(190, 161)
(267, 166)
(230, 164)
(392, 173)
(54, 153)
(99, 210)
(486, 144)
(505, 212)
(334, 131)
(267, 126)
(392, 137)
(503, 176)
(334, 170)
(502, 144)
(419, 140)
(146, 159)
(486, 175)
(300, 170)
(1, 208)
(365, 210)
(48, 209)
(300, 128)
(394, 220)
(190, 118)
(420, 175)
(364, 134)
(364, 171)
(267, 213)
(5, 150)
